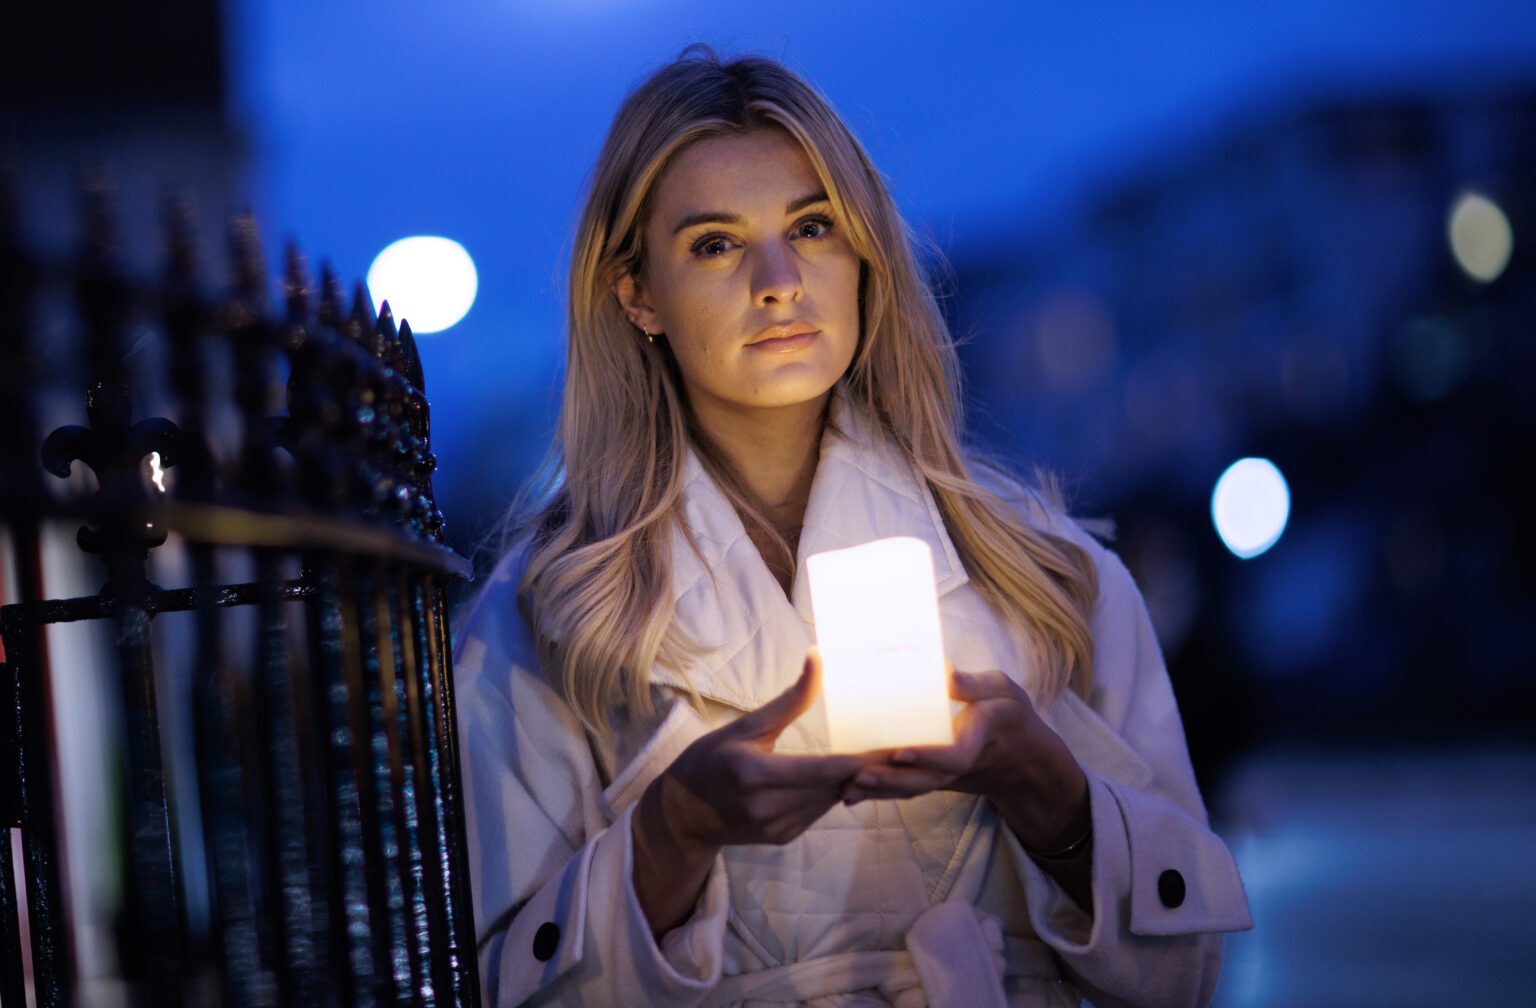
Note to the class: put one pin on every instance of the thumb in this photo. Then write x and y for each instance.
(973, 686)
(768, 721)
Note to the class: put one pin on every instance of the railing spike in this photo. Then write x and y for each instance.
(296, 285)
(181, 248)
(384, 335)
(186, 317)
(360, 322)
(394, 351)
(410, 358)
(245, 255)
(329, 311)
(103, 298)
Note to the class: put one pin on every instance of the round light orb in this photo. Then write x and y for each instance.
(1250, 506)
(428, 281)
(1480, 236)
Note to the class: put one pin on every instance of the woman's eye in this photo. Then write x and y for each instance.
(711, 246)
(813, 227)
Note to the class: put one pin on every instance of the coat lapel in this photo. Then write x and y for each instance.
(728, 601)
(866, 489)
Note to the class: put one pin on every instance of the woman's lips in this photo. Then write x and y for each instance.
(786, 344)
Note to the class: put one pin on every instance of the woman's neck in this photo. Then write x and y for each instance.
(774, 455)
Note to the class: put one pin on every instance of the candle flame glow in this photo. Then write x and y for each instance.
(877, 626)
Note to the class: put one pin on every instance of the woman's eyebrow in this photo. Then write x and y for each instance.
(801, 202)
(721, 217)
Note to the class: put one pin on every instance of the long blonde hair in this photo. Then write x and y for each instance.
(596, 583)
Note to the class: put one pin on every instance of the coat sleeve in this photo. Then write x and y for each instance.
(556, 917)
(1164, 885)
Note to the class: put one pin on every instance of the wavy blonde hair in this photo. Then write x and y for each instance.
(596, 584)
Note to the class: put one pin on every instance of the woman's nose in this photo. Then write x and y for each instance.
(776, 274)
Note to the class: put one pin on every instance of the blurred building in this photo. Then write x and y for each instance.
(99, 94)
(1288, 288)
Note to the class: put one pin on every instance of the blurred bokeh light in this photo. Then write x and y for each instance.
(1250, 506)
(429, 281)
(1480, 237)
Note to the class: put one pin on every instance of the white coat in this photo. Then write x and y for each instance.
(928, 901)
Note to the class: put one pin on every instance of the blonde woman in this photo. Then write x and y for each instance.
(758, 372)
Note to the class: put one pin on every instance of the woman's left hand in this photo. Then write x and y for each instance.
(1002, 751)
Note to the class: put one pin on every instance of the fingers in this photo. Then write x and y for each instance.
(989, 685)
(894, 782)
(950, 759)
(914, 770)
(769, 720)
(778, 770)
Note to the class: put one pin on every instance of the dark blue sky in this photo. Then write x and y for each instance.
(479, 120)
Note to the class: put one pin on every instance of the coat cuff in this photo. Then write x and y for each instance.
(1156, 872)
(1183, 877)
(585, 927)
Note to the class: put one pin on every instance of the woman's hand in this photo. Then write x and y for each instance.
(1004, 752)
(730, 787)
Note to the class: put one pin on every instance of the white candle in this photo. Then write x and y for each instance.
(877, 626)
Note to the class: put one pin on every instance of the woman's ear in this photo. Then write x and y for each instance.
(633, 300)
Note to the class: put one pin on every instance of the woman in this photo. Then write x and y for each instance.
(758, 372)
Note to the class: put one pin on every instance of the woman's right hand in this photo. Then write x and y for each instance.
(730, 787)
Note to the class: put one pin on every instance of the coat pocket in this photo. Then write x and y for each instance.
(675, 733)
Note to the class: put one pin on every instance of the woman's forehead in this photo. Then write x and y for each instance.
(748, 172)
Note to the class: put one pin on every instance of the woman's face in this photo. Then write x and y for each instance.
(749, 276)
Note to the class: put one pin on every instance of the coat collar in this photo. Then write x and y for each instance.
(728, 601)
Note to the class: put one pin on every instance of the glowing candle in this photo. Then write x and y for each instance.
(877, 626)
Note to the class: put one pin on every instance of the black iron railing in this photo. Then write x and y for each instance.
(318, 858)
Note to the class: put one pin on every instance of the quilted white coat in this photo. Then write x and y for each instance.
(929, 901)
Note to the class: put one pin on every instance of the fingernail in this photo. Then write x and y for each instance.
(865, 779)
